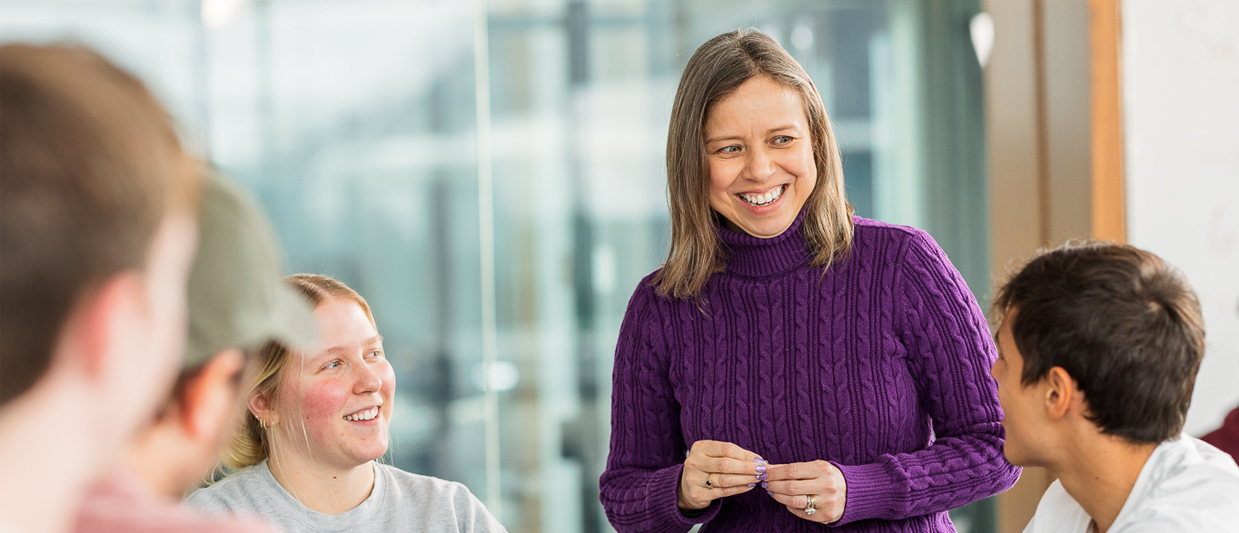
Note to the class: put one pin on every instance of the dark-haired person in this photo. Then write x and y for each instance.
(1099, 346)
(839, 362)
(97, 234)
(237, 303)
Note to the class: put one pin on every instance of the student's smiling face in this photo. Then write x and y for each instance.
(759, 157)
(342, 394)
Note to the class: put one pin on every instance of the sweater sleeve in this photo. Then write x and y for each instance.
(949, 353)
(639, 487)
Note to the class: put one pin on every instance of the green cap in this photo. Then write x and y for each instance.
(237, 296)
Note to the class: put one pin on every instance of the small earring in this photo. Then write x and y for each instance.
(263, 424)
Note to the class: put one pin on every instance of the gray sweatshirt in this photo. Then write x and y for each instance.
(400, 501)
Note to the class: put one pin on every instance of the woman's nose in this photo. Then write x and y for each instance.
(368, 380)
(759, 166)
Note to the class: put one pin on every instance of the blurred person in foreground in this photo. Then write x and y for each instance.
(316, 424)
(237, 303)
(97, 234)
(1099, 345)
(846, 352)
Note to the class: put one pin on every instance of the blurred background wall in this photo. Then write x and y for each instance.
(1114, 119)
(489, 174)
(1181, 77)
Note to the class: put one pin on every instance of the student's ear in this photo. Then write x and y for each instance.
(260, 406)
(1060, 393)
(210, 396)
(106, 321)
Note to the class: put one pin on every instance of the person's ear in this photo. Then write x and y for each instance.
(209, 397)
(1060, 393)
(108, 322)
(260, 406)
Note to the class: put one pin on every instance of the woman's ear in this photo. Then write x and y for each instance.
(260, 406)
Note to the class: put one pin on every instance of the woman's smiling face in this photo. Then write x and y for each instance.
(760, 157)
(342, 394)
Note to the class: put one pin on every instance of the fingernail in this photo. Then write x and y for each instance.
(766, 485)
(761, 468)
(770, 493)
(759, 460)
(751, 485)
(763, 476)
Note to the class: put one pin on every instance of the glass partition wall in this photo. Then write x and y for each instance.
(489, 175)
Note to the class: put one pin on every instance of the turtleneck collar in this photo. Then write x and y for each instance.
(755, 257)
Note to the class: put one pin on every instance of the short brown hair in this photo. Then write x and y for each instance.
(252, 445)
(714, 71)
(1124, 324)
(89, 167)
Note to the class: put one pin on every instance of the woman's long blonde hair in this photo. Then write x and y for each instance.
(716, 70)
(252, 443)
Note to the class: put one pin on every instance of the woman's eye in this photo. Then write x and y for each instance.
(333, 364)
(783, 139)
(374, 353)
(729, 149)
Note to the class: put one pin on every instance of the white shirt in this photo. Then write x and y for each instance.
(1186, 485)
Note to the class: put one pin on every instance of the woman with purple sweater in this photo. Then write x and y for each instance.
(791, 365)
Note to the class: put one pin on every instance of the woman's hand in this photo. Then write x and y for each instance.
(716, 469)
(792, 484)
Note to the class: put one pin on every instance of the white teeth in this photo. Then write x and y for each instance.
(764, 199)
(368, 414)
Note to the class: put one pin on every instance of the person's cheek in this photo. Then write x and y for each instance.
(323, 402)
(388, 375)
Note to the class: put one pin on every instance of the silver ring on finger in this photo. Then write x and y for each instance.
(811, 506)
(709, 482)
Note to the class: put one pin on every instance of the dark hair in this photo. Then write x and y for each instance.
(1125, 325)
(89, 167)
(717, 69)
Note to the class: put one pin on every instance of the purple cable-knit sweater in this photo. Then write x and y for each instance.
(881, 366)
